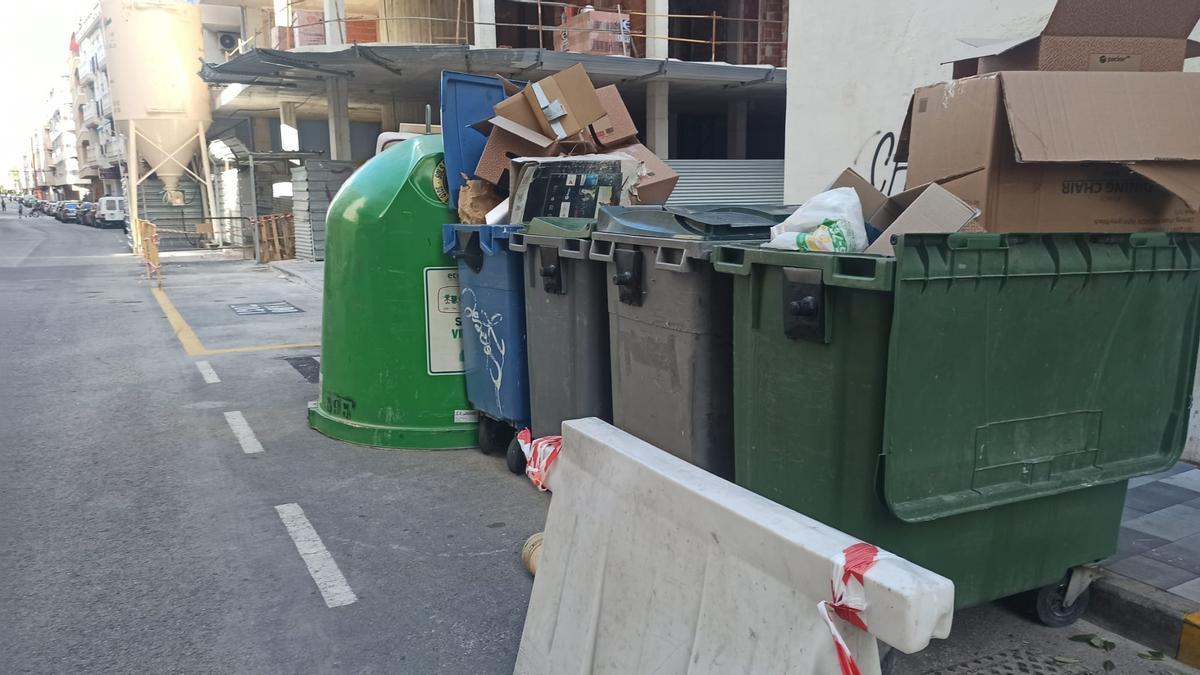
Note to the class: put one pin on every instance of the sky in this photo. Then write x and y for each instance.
(34, 36)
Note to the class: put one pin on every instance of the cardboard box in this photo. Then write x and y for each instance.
(594, 32)
(616, 127)
(656, 180)
(308, 27)
(570, 187)
(926, 209)
(506, 141)
(281, 37)
(1104, 35)
(1063, 152)
(559, 106)
(476, 199)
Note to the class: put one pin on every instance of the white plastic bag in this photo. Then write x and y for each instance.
(831, 221)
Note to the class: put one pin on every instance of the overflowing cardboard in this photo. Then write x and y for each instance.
(1096, 35)
(616, 126)
(656, 180)
(570, 187)
(476, 198)
(1065, 151)
(925, 209)
(563, 115)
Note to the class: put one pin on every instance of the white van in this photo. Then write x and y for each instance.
(110, 212)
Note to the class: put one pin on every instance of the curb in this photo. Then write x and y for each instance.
(1145, 614)
(294, 276)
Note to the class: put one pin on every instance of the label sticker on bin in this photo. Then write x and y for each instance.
(443, 323)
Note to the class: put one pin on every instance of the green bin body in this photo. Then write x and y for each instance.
(391, 340)
(975, 404)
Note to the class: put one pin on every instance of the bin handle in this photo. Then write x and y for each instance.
(574, 248)
(672, 259)
(730, 260)
(516, 242)
(601, 250)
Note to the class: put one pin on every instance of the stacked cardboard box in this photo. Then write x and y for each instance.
(1057, 142)
(592, 32)
(564, 115)
(308, 27)
(313, 186)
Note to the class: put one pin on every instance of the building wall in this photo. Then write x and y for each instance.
(852, 67)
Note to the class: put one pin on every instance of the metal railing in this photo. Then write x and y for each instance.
(464, 27)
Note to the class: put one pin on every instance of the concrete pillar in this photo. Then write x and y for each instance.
(338, 93)
(387, 117)
(735, 129)
(658, 120)
(260, 133)
(485, 23)
(289, 132)
(335, 22)
(656, 28)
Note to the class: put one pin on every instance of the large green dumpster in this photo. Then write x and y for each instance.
(391, 345)
(975, 404)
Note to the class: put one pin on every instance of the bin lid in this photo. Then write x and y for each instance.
(707, 223)
(1023, 366)
(465, 99)
(571, 228)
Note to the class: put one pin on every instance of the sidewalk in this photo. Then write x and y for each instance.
(308, 273)
(1160, 532)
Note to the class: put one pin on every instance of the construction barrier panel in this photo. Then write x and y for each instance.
(651, 564)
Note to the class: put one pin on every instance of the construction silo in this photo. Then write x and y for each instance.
(160, 104)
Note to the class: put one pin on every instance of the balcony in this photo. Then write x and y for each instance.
(91, 114)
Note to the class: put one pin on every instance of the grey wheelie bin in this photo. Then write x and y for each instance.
(567, 323)
(670, 323)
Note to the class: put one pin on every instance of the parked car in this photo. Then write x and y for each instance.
(110, 212)
(69, 212)
(87, 214)
(52, 209)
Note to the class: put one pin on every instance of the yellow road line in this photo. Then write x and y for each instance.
(263, 348)
(191, 342)
(187, 336)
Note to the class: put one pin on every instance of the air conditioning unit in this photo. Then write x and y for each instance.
(228, 41)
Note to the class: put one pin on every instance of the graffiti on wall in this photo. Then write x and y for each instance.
(886, 171)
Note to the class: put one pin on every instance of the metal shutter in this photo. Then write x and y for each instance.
(727, 181)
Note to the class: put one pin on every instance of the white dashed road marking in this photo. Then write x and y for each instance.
(321, 566)
(207, 372)
(245, 435)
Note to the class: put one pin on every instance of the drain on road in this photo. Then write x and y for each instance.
(261, 308)
(307, 366)
(1013, 662)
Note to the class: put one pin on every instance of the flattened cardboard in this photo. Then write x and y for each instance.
(502, 146)
(1063, 152)
(616, 127)
(1097, 35)
(574, 187)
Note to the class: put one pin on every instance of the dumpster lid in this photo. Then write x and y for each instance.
(1023, 366)
(708, 223)
(465, 98)
(574, 228)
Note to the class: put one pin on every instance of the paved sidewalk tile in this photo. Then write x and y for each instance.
(1189, 480)
(1172, 523)
(1150, 571)
(1189, 590)
(1179, 467)
(1132, 542)
(1184, 554)
(1156, 496)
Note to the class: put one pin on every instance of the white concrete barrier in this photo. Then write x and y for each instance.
(651, 565)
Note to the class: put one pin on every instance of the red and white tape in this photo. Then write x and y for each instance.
(539, 456)
(848, 599)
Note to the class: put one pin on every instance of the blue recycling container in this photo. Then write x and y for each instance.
(492, 304)
(465, 99)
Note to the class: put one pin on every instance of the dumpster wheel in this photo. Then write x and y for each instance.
(514, 457)
(494, 436)
(1050, 604)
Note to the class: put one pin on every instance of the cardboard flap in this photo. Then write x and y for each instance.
(871, 199)
(501, 122)
(976, 48)
(1103, 117)
(1181, 179)
(928, 209)
(1108, 18)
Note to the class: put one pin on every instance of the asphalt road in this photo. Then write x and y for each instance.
(138, 536)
